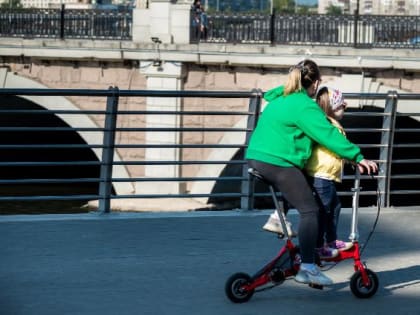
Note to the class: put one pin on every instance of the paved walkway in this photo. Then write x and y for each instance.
(177, 263)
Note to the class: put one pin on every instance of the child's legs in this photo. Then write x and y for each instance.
(327, 194)
(332, 219)
(291, 182)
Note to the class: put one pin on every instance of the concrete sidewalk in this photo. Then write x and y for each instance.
(177, 263)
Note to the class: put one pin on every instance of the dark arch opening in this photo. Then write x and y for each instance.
(370, 153)
(42, 155)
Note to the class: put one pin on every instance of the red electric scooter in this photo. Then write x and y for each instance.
(364, 283)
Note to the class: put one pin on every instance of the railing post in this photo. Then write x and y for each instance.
(62, 21)
(387, 142)
(247, 186)
(272, 25)
(356, 22)
(105, 185)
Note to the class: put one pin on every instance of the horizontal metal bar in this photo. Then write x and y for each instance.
(49, 180)
(57, 92)
(409, 96)
(52, 163)
(214, 195)
(370, 114)
(176, 162)
(363, 192)
(178, 179)
(364, 177)
(133, 146)
(52, 111)
(124, 112)
(183, 129)
(51, 129)
(349, 130)
(340, 193)
(406, 145)
(406, 161)
(372, 145)
(405, 192)
(405, 176)
(192, 113)
(129, 93)
(407, 114)
(47, 198)
(407, 130)
(50, 146)
(371, 96)
(171, 146)
(226, 178)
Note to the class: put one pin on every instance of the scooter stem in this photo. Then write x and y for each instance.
(354, 234)
(280, 212)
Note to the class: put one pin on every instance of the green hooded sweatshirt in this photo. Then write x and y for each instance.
(288, 127)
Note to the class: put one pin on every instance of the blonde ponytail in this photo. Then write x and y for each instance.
(293, 83)
(323, 99)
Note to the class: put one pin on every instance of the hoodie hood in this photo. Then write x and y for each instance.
(274, 93)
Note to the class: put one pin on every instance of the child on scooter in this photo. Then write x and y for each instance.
(324, 168)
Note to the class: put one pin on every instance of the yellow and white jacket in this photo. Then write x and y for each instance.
(324, 163)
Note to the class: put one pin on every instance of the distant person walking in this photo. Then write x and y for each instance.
(199, 20)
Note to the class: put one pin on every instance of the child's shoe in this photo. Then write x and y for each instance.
(273, 224)
(326, 252)
(310, 273)
(340, 245)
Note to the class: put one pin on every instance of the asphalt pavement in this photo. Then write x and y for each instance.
(177, 263)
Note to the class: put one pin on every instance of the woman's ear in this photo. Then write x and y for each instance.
(314, 88)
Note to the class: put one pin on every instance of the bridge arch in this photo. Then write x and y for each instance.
(12, 81)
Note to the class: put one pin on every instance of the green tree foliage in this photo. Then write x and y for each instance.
(284, 6)
(334, 10)
(11, 4)
(303, 10)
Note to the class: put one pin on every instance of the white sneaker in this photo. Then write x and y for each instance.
(312, 275)
(273, 224)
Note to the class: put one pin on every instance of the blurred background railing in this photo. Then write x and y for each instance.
(44, 160)
(376, 31)
(66, 23)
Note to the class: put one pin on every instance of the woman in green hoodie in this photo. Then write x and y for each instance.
(282, 143)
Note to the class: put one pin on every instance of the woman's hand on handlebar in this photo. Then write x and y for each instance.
(368, 165)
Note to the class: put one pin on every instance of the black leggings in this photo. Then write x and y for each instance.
(292, 183)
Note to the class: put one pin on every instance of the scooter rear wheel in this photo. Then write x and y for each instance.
(234, 288)
(359, 289)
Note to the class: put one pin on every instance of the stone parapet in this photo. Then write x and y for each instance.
(258, 56)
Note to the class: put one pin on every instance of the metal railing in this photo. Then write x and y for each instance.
(376, 31)
(66, 23)
(199, 126)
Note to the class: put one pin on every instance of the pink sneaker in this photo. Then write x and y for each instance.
(340, 245)
(326, 252)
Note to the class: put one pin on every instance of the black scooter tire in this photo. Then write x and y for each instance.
(359, 289)
(233, 285)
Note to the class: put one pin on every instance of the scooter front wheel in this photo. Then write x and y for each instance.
(234, 288)
(359, 289)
